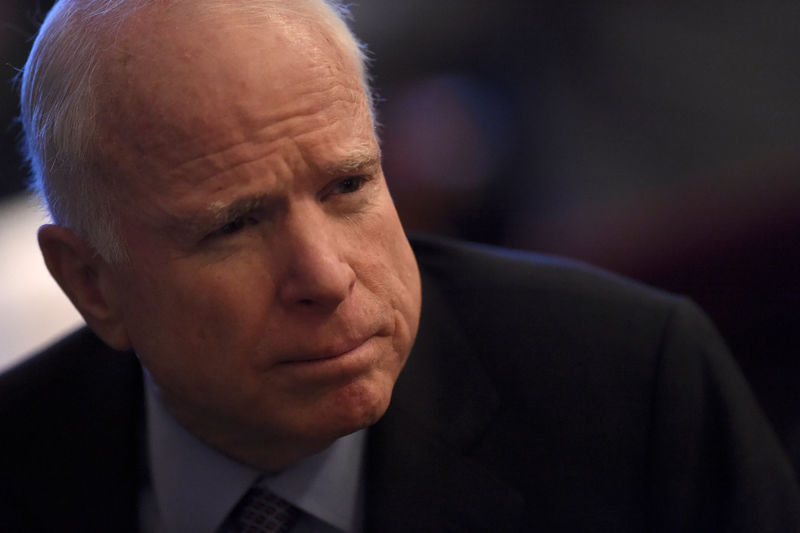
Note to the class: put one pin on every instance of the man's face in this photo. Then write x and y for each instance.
(270, 290)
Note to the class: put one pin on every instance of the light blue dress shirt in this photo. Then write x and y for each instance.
(194, 487)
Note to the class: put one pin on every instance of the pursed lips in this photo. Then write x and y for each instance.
(333, 351)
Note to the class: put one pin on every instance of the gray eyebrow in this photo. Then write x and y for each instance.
(357, 161)
(219, 213)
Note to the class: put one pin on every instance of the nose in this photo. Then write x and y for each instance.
(317, 274)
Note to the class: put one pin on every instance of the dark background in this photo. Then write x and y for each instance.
(657, 139)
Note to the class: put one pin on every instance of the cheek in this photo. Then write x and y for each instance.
(197, 334)
(228, 308)
(198, 309)
(393, 273)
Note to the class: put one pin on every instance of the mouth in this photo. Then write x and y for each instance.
(336, 351)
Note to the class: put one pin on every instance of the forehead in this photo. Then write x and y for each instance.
(177, 88)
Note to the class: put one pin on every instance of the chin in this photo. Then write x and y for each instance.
(357, 406)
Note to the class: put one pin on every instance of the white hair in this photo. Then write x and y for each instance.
(59, 106)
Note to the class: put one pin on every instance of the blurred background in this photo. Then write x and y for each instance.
(656, 139)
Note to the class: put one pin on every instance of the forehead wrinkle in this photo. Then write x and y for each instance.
(285, 157)
(223, 161)
(253, 142)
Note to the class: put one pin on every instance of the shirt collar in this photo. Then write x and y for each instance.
(328, 485)
(195, 486)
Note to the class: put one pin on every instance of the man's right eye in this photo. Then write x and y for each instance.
(232, 227)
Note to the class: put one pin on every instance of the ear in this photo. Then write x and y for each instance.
(87, 280)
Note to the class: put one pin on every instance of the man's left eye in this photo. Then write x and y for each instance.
(349, 185)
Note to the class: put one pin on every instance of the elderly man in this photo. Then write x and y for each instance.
(222, 223)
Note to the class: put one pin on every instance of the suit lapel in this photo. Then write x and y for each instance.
(419, 473)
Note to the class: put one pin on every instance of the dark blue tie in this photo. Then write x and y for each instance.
(261, 511)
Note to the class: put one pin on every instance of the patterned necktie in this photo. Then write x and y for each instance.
(261, 511)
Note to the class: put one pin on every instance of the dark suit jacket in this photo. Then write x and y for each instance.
(540, 396)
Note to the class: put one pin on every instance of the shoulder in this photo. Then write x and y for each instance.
(574, 352)
(462, 266)
(79, 363)
(579, 347)
(65, 408)
(525, 301)
(619, 394)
